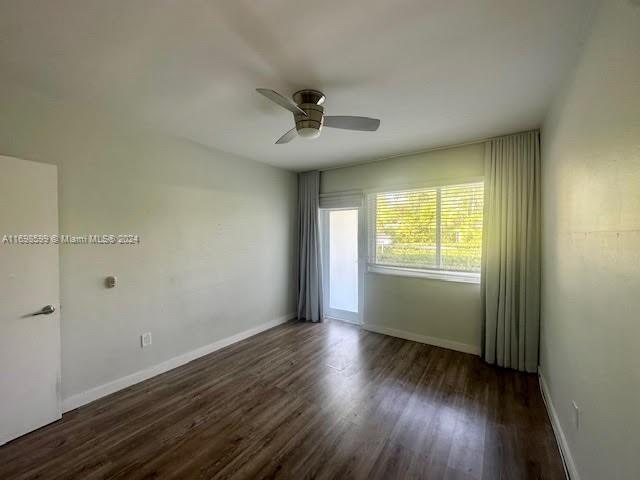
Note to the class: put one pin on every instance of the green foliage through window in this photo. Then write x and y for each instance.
(433, 228)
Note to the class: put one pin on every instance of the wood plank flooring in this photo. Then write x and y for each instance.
(305, 401)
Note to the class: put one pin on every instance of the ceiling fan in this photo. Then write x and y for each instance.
(309, 117)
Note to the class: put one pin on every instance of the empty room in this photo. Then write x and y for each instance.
(364, 239)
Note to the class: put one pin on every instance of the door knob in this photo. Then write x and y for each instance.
(46, 310)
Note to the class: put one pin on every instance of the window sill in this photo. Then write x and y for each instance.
(459, 277)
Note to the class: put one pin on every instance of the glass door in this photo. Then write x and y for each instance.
(340, 264)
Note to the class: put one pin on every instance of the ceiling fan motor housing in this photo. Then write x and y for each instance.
(309, 101)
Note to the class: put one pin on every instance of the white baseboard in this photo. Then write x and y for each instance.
(438, 342)
(567, 459)
(343, 320)
(95, 393)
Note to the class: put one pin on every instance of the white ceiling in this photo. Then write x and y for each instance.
(436, 72)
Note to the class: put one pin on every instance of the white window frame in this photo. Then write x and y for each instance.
(435, 274)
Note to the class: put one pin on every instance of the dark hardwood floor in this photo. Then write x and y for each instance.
(305, 401)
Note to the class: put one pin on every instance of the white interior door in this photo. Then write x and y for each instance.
(340, 264)
(29, 281)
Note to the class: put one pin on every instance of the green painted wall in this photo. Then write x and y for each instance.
(217, 251)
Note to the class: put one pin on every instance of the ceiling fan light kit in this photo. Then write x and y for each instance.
(308, 114)
(310, 101)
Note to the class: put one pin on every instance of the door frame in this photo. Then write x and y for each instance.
(342, 315)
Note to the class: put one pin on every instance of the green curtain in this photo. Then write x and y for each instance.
(510, 279)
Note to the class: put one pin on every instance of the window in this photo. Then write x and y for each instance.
(433, 232)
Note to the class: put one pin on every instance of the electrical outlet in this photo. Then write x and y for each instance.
(576, 415)
(145, 339)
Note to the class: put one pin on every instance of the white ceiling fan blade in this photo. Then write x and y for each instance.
(280, 100)
(352, 123)
(287, 137)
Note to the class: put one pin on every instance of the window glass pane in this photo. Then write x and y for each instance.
(343, 260)
(461, 227)
(406, 228)
(433, 228)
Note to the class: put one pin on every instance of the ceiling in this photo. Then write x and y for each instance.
(436, 72)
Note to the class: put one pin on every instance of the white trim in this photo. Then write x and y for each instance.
(570, 469)
(438, 342)
(343, 320)
(446, 275)
(343, 315)
(100, 391)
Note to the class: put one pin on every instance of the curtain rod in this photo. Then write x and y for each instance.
(426, 150)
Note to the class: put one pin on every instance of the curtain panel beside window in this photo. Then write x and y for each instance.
(309, 261)
(510, 276)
